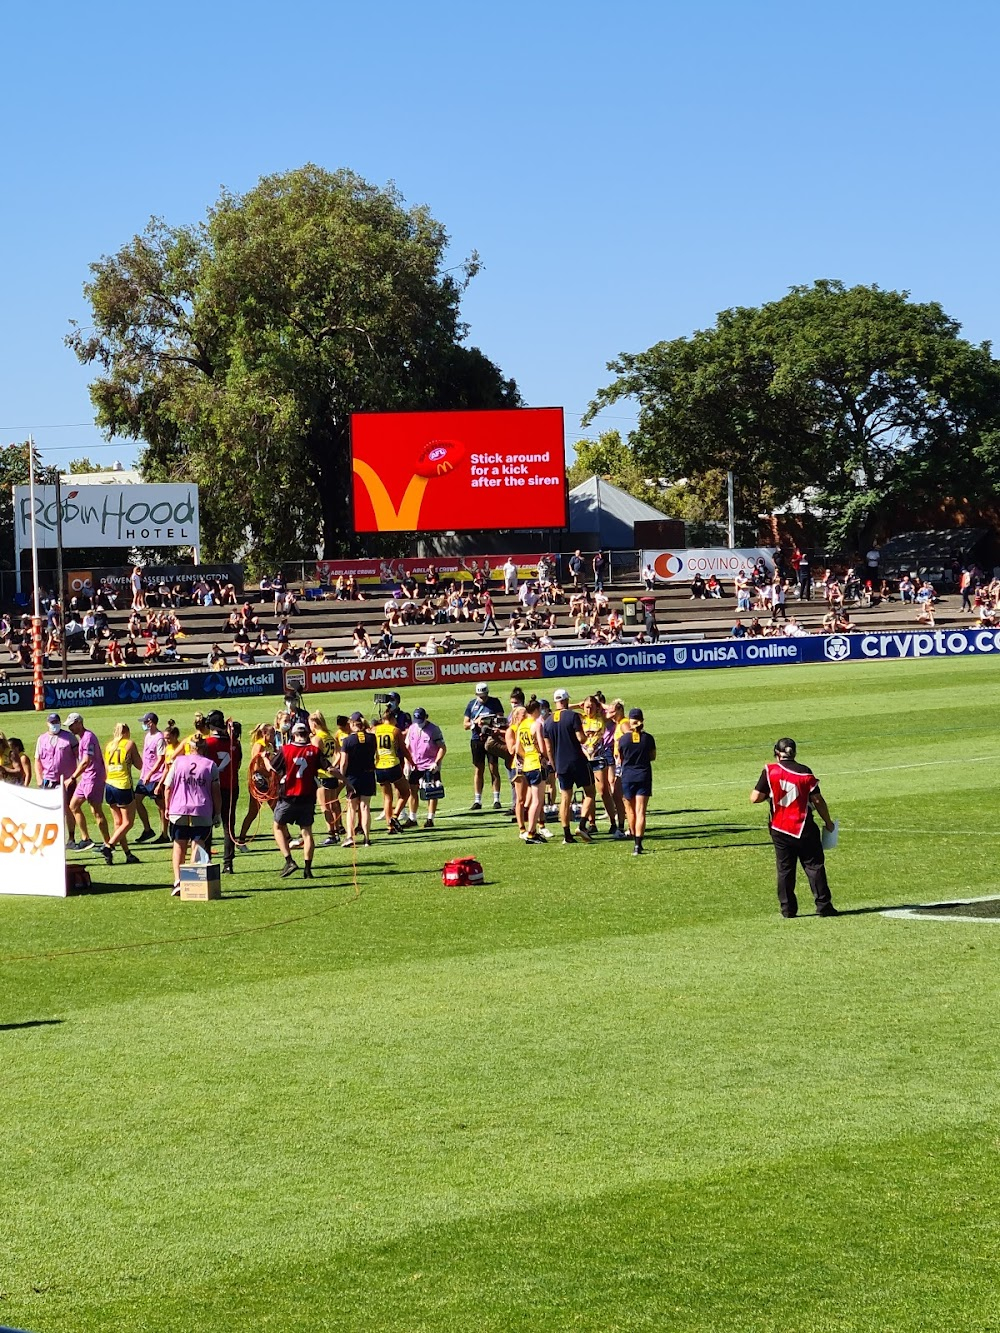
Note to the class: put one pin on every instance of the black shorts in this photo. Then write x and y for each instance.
(390, 775)
(332, 783)
(577, 776)
(299, 810)
(119, 795)
(362, 785)
(146, 789)
(190, 832)
(532, 776)
(636, 786)
(478, 753)
(598, 765)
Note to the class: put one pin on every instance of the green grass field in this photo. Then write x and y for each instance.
(597, 1093)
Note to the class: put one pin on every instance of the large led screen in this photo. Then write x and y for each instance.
(458, 471)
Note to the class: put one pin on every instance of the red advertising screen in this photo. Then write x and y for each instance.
(458, 471)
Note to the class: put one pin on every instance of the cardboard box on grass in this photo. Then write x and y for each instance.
(200, 883)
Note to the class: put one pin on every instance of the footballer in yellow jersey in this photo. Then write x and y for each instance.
(328, 780)
(390, 753)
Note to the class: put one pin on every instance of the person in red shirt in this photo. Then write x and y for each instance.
(297, 763)
(793, 793)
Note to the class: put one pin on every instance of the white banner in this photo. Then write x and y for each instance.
(32, 847)
(682, 565)
(153, 515)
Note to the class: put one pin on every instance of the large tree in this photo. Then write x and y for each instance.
(238, 348)
(870, 399)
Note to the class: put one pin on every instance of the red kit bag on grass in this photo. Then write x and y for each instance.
(464, 870)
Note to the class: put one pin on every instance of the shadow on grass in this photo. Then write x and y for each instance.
(96, 887)
(32, 1023)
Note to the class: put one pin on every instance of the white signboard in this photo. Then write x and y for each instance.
(32, 848)
(681, 566)
(145, 515)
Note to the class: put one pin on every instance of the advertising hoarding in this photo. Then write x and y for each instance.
(144, 515)
(396, 672)
(458, 471)
(680, 565)
(32, 850)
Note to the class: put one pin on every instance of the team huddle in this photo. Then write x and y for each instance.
(558, 760)
(181, 788)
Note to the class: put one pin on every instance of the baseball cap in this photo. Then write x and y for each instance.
(635, 715)
(482, 688)
(74, 717)
(357, 717)
(300, 729)
(215, 718)
(54, 717)
(420, 714)
(149, 717)
(394, 696)
(560, 695)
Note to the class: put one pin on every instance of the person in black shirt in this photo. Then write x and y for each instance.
(564, 736)
(636, 753)
(357, 765)
(482, 714)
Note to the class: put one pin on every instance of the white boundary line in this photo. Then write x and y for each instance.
(855, 772)
(909, 914)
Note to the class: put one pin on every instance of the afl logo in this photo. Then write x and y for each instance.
(439, 458)
(667, 565)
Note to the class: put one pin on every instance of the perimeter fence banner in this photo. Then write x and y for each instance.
(394, 673)
(32, 850)
(883, 645)
(95, 691)
(680, 565)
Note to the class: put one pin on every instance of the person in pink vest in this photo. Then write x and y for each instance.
(194, 802)
(89, 775)
(55, 764)
(154, 764)
(793, 793)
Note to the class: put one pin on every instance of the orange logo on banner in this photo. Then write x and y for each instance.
(16, 838)
(667, 565)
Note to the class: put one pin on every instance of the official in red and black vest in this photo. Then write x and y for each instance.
(793, 793)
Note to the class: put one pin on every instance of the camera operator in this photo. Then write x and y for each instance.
(482, 714)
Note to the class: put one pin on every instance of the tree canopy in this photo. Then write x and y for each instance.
(867, 399)
(238, 348)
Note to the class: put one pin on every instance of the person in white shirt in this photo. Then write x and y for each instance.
(648, 576)
(509, 576)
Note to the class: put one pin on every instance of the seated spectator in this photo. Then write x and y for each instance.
(170, 653)
(131, 651)
(925, 616)
(153, 651)
(216, 658)
(739, 630)
(115, 656)
(907, 592)
(755, 629)
(926, 593)
(362, 643)
(713, 587)
(793, 630)
(698, 588)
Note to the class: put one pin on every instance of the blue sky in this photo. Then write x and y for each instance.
(625, 172)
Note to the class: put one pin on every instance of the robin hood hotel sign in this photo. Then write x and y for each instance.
(153, 515)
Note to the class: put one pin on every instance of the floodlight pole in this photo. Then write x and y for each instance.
(37, 674)
(730, 495)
